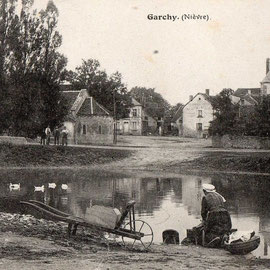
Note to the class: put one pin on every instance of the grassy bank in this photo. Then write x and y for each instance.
(50, 155)
(256, 162)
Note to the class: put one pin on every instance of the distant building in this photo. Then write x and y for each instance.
(193, 119)
(251, 96)
(246, 96)
(265, 83)
(138, 122)
(87, 122)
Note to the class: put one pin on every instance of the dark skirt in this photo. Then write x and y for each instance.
(218, 223)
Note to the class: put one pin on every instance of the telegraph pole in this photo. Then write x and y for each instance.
(114, 116)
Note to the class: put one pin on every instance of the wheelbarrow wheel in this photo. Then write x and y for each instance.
(141, 227)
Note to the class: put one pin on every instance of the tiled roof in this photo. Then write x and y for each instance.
(208, 98)
(91, 107)
(267, 78)
(243, 91)
(70, 97)
(257, 98)
(99, 109)
(135, 102)
(250, 100)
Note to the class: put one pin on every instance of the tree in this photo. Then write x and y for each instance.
(225, 114)
(262, 117)
(103, 88)
(7, 11)
(31, 68)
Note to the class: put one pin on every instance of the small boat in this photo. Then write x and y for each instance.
(14, 186)
(241, 247)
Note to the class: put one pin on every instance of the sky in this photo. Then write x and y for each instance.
(177, 58)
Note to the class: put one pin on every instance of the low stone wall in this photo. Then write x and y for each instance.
(242, 142)
(13, 140)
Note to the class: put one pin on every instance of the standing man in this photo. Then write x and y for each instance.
(216, 218)
(64, 136)
(48, 135)
(43, 137)
(56, 134)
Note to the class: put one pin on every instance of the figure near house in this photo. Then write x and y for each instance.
(48, 135)
(56, 134)
(43, 137)
(64, 136)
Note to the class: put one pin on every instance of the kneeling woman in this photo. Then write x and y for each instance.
(216, 218)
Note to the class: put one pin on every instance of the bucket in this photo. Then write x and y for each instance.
(170, 237)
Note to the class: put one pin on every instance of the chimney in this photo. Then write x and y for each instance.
(190, 97)
(207, 92)
(249, 92)
(267, 65)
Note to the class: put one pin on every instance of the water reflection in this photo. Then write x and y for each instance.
(164, 203)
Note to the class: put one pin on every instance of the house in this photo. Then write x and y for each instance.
(193, 119)
(87, 122)
(138, 122)
(246, 96)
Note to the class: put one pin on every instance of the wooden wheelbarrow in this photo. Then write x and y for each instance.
(136, 230)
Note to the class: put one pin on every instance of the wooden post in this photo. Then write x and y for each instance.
(114, 118)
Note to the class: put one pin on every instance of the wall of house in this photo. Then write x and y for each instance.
(139, 111)
(70, 127)
(191, 117)
(129, 126)
(243, 142)
(94, 130)
(265, 88)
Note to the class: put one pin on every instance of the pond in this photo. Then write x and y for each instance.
(164, 203)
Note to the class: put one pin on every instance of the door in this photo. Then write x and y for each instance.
(126, 127)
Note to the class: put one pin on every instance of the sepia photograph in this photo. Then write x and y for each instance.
(134, 134)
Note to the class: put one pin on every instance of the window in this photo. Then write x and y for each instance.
(134, 112)
(99, 129)
(84, 129)
(118, 125)
(199, 113)
(134, 125)
(199, 126)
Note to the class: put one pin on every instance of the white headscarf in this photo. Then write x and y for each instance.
(211, 188)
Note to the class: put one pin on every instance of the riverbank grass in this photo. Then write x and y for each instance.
(51, 155)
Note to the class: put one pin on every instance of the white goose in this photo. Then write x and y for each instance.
(52, 185)
(39, 188)
(64, 186)
(14, 186)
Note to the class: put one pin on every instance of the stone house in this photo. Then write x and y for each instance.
(193, 119)
(87, 122)
(138, 122)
